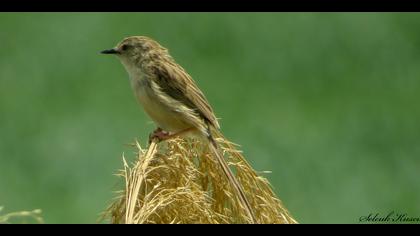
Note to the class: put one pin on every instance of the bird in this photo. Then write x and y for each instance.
(172, 99)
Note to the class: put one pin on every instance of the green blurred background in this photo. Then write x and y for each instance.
(328, 102)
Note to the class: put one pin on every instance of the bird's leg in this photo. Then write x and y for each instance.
(179, 133)
(158, 134)
(162, 135)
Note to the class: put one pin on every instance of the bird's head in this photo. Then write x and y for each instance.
(132, 51)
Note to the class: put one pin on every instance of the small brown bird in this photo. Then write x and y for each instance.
(171, 98)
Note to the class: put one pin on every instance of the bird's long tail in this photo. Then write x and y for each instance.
(217, 152)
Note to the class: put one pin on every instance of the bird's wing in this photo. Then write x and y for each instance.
(175, 82)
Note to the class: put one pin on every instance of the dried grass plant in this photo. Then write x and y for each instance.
(178, 181)
(21, 217)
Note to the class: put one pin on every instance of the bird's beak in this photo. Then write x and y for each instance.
(110, 51)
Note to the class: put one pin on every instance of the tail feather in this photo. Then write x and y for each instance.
(232, 179)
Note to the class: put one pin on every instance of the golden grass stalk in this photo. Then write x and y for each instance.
(21, 217)
(178, 181)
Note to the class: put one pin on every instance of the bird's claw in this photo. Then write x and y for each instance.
(159, 135)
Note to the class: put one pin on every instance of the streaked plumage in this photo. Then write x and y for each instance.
(166, 91)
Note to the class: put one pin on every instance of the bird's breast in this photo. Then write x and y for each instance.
(142, 91)
(165, 117)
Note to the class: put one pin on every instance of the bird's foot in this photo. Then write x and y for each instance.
(162, 135)
(159, 134)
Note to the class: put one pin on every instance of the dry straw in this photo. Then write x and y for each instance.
(21, 217)
(178, 181)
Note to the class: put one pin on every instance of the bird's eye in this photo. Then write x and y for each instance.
(124, 47)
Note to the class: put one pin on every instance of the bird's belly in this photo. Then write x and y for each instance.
(163, 116)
